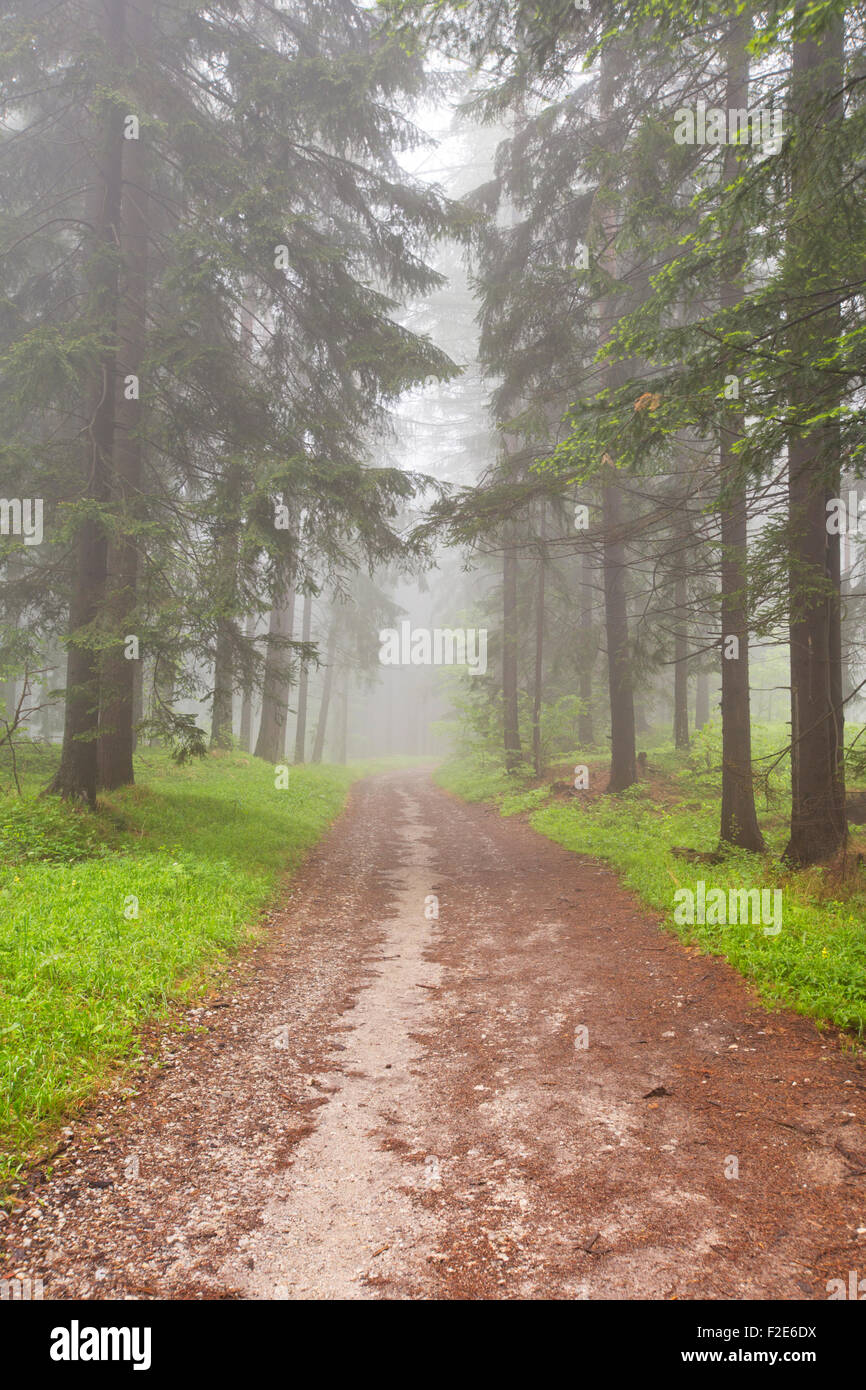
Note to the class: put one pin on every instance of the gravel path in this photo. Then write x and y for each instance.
(536, 1093)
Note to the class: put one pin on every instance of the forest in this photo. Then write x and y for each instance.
(432, 453)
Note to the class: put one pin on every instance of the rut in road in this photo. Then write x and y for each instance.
(389, 1105)
(345, 1194)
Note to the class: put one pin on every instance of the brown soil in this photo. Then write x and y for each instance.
(383, 1104)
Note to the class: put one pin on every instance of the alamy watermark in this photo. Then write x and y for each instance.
(441, 646)
(713, 126)
(21, 1290)
(77, 1343)
(22, 516)
(846, 518)
(854, 1289)
(714, 907)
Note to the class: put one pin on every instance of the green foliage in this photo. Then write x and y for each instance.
(179, 732)
(37, 831)
(201, 847)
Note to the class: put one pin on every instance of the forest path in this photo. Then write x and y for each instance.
(386, 1104)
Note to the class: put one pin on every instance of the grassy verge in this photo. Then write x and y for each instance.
(108, 917)
(817, 962)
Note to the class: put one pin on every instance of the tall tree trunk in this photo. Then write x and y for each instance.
(623, 760)
(117, 679)
(322, 725)
(818, 823)
(538, 689)
(739, 820)
(702, 699)
(137, 700)
(226, 542)
(271, 742)
(246, 730)
(848, 634)
(623, 756)
(223, 678)
(389, 716)
(304, 683)
(681, 663)
(343, 747)
(586, 654)
(510, 639)
(76, 777)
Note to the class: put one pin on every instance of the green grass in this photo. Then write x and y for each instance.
(817, 962)
(200, 847)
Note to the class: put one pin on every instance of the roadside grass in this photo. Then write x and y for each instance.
(108, 918)
(817, 962)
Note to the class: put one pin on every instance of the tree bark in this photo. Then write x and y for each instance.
(322, 724)
(226, 542)
(739, 820)
(343, 749)
(303, 683)
(76, 776)
(510, 638)
(586, 655)
(623, 761)
(538, 689)
(117, 679)
(818, 821)
(681, 664)
(623, 756)
(271, 742)
(702, 699)
(246, 729)
(223, 679)
(137, 700)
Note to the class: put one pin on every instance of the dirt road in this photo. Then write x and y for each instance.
(537, 1093)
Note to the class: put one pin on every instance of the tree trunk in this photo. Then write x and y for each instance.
(538, 689)
(510, 637)
(303, 683)
(223, 679)
(623, 760)
(271, 742)
(76, 776)
(702, 699)
(847, 632)
(681, 664)
(226, 542)
(117, 679)
(137, 700)
(246, 730)
(321, 726)
(224, 672)
(343, 748)
(389, 716)
(586, 655)
(818, 823)
(739, 820)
